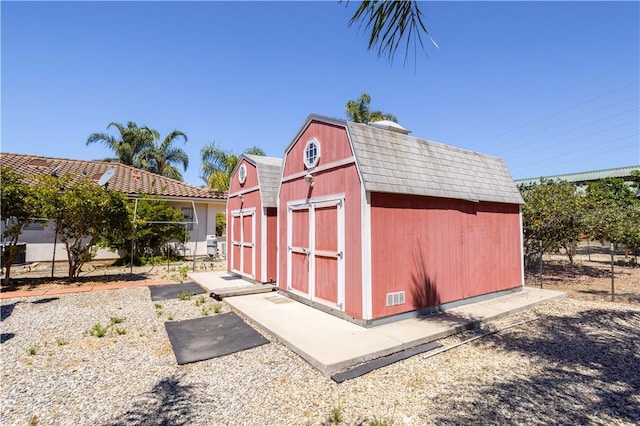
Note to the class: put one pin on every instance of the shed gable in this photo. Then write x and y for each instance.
(332, 145)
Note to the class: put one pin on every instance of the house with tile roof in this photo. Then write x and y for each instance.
(199, 205)
(252, 211)
(376, 225)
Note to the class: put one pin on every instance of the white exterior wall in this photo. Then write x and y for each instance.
(206, 216)
(40, 241)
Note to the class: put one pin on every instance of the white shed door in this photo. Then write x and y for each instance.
(315, 251)
(243, 232)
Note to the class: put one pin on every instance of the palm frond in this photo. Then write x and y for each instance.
(389, 22)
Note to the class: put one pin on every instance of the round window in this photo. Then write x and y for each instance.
(242, 174)
(312, 153)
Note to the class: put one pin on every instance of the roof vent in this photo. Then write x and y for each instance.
(390, 125)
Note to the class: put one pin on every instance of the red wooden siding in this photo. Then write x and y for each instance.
(300, 261)
(249, 237)
(341, 180)
(440, 250)
(326, 270)
(233, 261)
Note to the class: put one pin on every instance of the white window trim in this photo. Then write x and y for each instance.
(242, 174)
(318, 153)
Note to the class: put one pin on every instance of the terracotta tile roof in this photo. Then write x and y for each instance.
(126, 179)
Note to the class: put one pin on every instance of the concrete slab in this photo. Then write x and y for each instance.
(331, 344)
(218, 280)
(436, 326)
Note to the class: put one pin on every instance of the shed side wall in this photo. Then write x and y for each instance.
(441, 250)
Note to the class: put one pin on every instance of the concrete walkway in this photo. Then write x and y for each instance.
(331, 344)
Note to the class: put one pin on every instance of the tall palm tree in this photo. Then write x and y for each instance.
(390, 22)
(359, 112)
(163, 158)
(217, 165)
(130, 143)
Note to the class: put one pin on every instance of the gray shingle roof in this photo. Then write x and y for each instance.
(397, 163)
(269, 172)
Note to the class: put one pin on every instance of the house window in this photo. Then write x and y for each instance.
(312, 153)
(242, 174)
(188, 217)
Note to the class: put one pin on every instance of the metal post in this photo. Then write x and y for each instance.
(612, 274)
(540, 263)
(55, 243)
(133, 239)
(195, 246)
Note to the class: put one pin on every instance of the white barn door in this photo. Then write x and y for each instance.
(315, 251)
(243, 233)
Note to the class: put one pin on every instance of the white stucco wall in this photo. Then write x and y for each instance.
(40, 241)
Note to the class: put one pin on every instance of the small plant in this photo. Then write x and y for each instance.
(61, 342)
(159, 313)
(32, 350)
(385, 421)
(205, 311)
(182, 270)
(186, 295)
(217, 308)
(170, 317)
(121, 331)
(337, 416)
(158, 306)
(99, 330)
(33, 421)
(200, 301)
(116, 320)
(154, 329)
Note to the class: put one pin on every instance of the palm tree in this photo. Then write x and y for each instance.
(217, 165)
(163, 158)
(359, 112)
(254, 150)
(132, 141)
(390, 22)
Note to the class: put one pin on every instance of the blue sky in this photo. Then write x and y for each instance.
(551, 87)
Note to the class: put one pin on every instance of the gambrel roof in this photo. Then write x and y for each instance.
(126, 179)
(269, 170)
(394, 162)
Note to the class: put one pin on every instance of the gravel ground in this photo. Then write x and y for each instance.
(577, 364)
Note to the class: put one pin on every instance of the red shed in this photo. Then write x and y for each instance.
(376, 224)
(252, 218)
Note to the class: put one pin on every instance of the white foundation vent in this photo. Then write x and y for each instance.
(396, 298)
